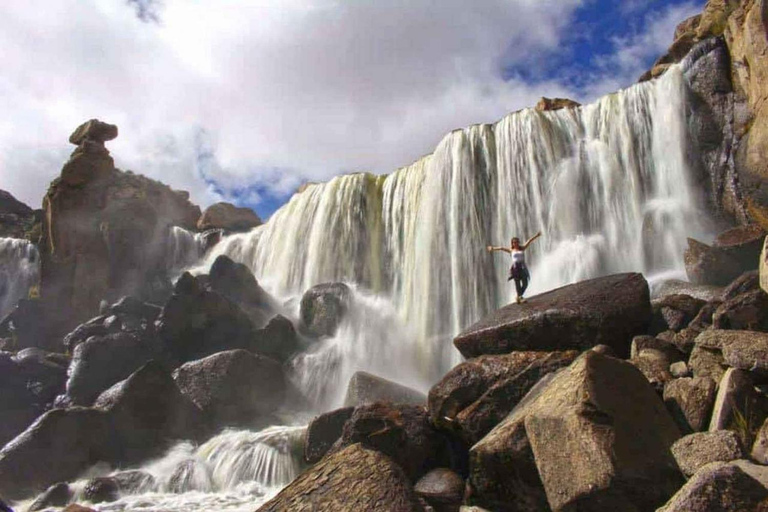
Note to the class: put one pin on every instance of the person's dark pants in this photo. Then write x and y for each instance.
(521, 276)
(521, 283)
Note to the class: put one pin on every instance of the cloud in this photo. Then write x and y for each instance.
(243, 99)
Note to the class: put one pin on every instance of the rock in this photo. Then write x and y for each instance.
(746, 350)
(103, 361)
(748, 311)
(365, 388)
(604, 349)
(228, 217)
(650, 343)
(101, 490)
(19, 406)
(323, 308)
(94, 327)
(679, 370)
(690, 401)
(695, 451)
(24, 325)
(132, 306)
(706, 362)
(594, 437)
(74, 507)
(688, 26)
(232, 388)
(402, 432)
(677, 287)
(94, 131)
(278, 339)
(760, 447)
(746, 282)
(478, 394)
(134, 482)
(442, 489)
(607, 310)
(323, 432)
(674, 312)
(706, 264)
(236, 282)
(736, 397)
(548, 104)
(58, 447)
(149, 413)
(57, 495)
(743, 243)
(17, 220)
(718, 486)
(378, 484)
(705, 317)
(654, 365)
(196, 323)
(190, 475)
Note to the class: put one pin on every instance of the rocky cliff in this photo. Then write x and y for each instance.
(17, 220)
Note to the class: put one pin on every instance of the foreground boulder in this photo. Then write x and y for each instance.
(478, 394)
(323, 307)
(58, 447)
(607, 310)
(594, 437)
(235, 387)
(365, 388)
(350, 480)
(323, 432)
(228, 217)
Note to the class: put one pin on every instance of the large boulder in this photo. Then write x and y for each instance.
(58, 447)
(746, 350)
(235, 387)
(478, 394)
(57, 495)
(236, 282)
(18, 404)
(690, 401)
(594, 436)
(747, 311)
(148, 413)
(365, 388)
(228, 217)
(674, 312)
(607, 310)
(737, 405)
(350, 480)
(277, 339)
(323, 432)
(323, 307)
(678, 287)
(403, 432)
(695, 451)
(196, 322)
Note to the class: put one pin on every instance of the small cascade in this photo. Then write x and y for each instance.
(184, 249)
(19, 272)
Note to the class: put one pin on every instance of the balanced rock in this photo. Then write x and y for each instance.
(695, 451)
(93, 130)
(323, 432)
(350, 480)
(594, 437)
(607, 310)
(690, 401)
(323, 307)
(365, 388)
(228, 217)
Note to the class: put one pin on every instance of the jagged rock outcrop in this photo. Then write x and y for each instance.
(105, 231)
(17, 220)
(228, 217)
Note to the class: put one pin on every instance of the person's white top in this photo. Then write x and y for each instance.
(518, 257)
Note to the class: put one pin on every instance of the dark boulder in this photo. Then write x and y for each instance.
(442, 488)
(235, 387)
(746, 282)
(323, 432)
(18, 404)
(674, 312)
(57, 495)
(402, 432)
(690, 402)
(58, 447)
(28, 326)
(733, 252)
(101, 490)
(748, 311)
(135, 482)
(131, 306)
(365, 388)
(607, 310)
(351, 480)
(478, 394)
(278, 339)
(236, 282)
(594, 436)
(323, 308)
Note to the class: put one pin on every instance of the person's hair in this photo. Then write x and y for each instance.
(515, 239)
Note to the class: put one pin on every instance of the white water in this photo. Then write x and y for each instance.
(184, 249)
(19, 271)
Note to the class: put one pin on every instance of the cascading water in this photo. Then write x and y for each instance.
(184, 249)
(19, 271)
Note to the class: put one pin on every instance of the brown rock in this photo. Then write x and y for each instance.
(93, 130)
(442, 488)
(655, 367)
(350, 480)
(57, 495)
(607, 310)
(705, 362)
(748, 311)
(687, 26)
(746, 350)
(695, 451)
(674, 312)
(706, 264)
(736, 402)
(760, 447)
(365, 388)
(323, 432)
(548, 104)
(690, 402)
(228, 217)
(746, 282)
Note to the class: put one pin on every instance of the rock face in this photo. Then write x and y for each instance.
(18, 220)
(353, 479)
(365, 388)
(478, 394)
(228, 217)
(547, 104)
(594, 437)
(607, 310)
(105, 231)
(236, 282)
(323, 308)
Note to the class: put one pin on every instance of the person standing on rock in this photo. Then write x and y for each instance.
(519, 270)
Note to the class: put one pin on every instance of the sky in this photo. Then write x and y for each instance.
(245, 100)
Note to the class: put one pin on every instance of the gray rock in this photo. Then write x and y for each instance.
(57, 495)
(690, 401)
(760, 447)
(365, 388)
(695, 451)
(736, 393)
(323, 308)
(442, 488)
(679, 370)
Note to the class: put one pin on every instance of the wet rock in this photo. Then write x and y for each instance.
(101, 490)
(131, 306)
(323, 432)
(760, 447)
(695, 451)
(323, 308)
(597, 436)
(402, 432)
(607, 310)
(379, 485)
(196, 323)
(149, 413)
(705, 264)
(674, 312)
(746, 282)
(678, 287)
(705, 362)
(679, 370)
(57, 495)
(442, 488)
(278, 339)
(74, 507)
(18, 404)
(690, 401)
(748, 311)
(236, 282)
(235, 387)
(58, 447)
(228, 217)
(190, 475)
(82, 332)
(718, 486)
(365, 388)
(134, 482)
(100, 362)
(478, 394)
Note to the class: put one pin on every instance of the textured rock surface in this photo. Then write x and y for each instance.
(760, 447)
(746, 311)
(351, 480)
(57, 495)
(547, 104)
(442, 488)
(607, 310)
(706, 362)
(18, 220)
(365, 388)
(674, 312)
(695, 451)
(690, 401)
(746, 350)
(763, 268)
(236, 282)
(735, 395)
(323, 308)
(323, 432)
(228, 217)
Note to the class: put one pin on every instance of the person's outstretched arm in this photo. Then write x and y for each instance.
(530, 240)
(492, 248)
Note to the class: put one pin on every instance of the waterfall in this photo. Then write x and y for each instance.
(608, 184)
(19, 271)
(184, 249)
